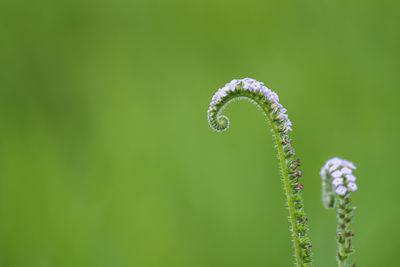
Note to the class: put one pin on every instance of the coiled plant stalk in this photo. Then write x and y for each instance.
(268, 102)
(337, 183)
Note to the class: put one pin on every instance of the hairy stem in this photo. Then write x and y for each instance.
(286, 183)
(344, 234)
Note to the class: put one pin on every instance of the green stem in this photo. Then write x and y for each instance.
(286, 183)
(341, 262)
(343, 227)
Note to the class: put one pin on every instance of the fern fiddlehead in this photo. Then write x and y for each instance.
(337, 183)
(268, 102)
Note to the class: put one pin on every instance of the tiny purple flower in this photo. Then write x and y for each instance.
(337, 181)
(341, 190)
(352, 186)
(334, 167)
(349, 164)
(346, 170)
(336, 174)
(350, 178)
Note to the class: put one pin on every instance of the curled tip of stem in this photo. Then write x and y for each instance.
(254, 91)
(219, 124)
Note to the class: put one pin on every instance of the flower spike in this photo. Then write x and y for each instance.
(254, 91)
(337, 183)
(268, 102)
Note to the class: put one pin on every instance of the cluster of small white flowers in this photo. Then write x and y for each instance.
(259, 88)
(342, 173)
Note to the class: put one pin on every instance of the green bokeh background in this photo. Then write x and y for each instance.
(106, 157)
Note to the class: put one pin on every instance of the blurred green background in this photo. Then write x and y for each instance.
(106, 157)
